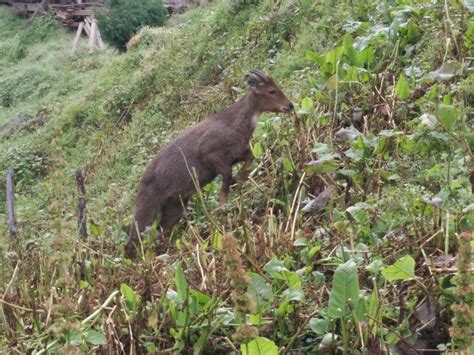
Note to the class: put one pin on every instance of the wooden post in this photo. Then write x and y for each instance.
(87, 25)
(10, 204)
(81, 205)
(76, 39)
(93, 35)
(99, 39)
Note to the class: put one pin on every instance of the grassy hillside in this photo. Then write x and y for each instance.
(352, 235)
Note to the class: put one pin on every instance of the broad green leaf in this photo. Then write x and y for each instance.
(293, 295)
(258, 286)
(318, 325)
(448, 99)
(95, 338)
(314, 249)
(375, 266)
(259, 346)
(130, 297)
(73, 337)
(413, 32)
(366, 56)
(403, 269)
(274, 265)
(294, 281)
(334, 56)
(447, 114)
(217, 240)
(200, 297)
(402, 89)
(306, 105)
(257, 150)
(321, 148)
(347, 42)
(314, 57)
(351, 74)
(181, 284)
(333, 82)
(345, 286)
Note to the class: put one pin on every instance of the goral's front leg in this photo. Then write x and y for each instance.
(243, 173)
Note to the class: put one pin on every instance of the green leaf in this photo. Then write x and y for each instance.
(95, 338)
(366, 56)
(293, 295)
(84, 284)
(318, 325)
(345, 286)
(347, 42)
(259, 287)
(288, 165)
(375, 266)
(130, 297)
(321, 166)
(334, 56)
(259, 346)
(403, 269)
(257, 150)
(217, 240)
(150, 348)
(332, 82)
(310, 55)
(306, 105)
(181, 284)
(294, 281)
(447, 114)
(413, 32)
(275, 265)
(402, 89)
(95, 229)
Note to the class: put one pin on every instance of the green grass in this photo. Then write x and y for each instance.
(36, 68)
(174, 76)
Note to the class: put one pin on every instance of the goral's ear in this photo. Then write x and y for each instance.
(251, 81)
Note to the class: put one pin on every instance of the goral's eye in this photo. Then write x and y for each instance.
(272, 92)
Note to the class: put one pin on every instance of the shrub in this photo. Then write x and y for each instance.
(123, 18)
(40, 30)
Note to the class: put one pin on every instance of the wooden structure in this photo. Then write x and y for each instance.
(80, 14)
(72, 13)
(91, 28)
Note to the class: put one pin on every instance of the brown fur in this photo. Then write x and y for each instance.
(209, 148)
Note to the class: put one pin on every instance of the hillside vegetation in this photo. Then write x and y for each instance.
(353, 234)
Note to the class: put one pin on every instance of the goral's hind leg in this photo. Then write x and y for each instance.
(173, 211)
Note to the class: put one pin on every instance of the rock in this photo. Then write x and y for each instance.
(13, 123)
